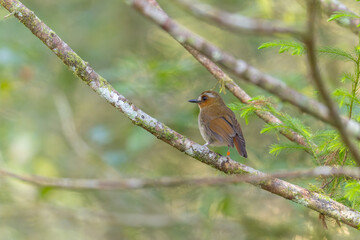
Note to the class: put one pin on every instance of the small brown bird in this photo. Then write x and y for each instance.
(217, 123)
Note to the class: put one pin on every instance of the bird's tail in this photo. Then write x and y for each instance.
(239, 142)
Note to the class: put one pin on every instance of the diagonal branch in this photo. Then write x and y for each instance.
(241, 68)
(86, 73)
(309, 40)
(238, 92)
(137, 183)
(329, 7)
(237, 22)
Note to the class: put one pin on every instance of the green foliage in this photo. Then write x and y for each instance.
(325, 146)
(277, 148)
(296, 48)
(246, 110)
(344, 97)
(287, 123)
(337, 53)
(329, 141)
(352, 193)
(347, 77)
(340, 15)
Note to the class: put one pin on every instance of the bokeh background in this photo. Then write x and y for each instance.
(52, 124)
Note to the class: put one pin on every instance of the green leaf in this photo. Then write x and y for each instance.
(276, 149)
(236, 106)
(246, 113)
(258, 98)
(247, 110)
(337, 53)
(338, 15)
(296, 125)
(352, 193)
(269, 127)
(343, 94)
(296, 48)
(347, 76)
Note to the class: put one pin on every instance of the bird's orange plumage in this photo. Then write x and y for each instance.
(218, 124)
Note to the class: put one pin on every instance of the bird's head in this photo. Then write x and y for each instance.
(207, 99)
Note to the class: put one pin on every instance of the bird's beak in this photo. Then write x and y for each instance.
(194, 101)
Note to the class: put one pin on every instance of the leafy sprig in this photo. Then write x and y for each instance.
(340, 15)
(296, 48)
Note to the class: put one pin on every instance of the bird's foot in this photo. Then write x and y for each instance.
(228, 153)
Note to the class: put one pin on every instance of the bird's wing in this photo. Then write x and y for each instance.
(221, 127)
(228, 128)
(238, 138)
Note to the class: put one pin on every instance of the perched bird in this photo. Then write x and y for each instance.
(217, 123)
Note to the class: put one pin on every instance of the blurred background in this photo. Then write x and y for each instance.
(52, 124)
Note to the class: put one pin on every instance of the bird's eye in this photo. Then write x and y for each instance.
(204, 98)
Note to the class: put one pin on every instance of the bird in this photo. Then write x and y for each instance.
(217, 123)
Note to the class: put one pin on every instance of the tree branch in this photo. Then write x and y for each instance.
(241, 68)
(238, 92)
(309, 40)
(329, 7)
(137, 183)
(237, 22)
(83, 70)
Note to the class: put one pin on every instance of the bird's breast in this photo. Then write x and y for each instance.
(205, 131)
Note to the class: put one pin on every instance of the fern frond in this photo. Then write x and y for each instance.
(277, 148)
(338, 15)
(271, 127)
(347, 76)
(246, 110)
(337, 53)
(344, 94)
(352, 193)
(296, 48)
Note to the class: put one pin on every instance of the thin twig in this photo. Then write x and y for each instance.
(355, 83)
(309, 41)
(237, 22)
(137, 183)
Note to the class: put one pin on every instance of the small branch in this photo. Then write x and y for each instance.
(309, 41)
(86, 73)
(329, 7)
(136, 183)
(240, 67)
(355, 84)
(237, 22)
